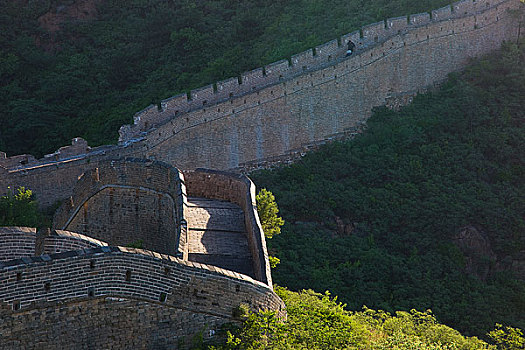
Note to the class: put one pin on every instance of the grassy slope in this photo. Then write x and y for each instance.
(455, 157)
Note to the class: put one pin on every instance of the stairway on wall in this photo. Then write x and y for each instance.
(217, 235)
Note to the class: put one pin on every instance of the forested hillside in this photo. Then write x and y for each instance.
(83, 68)
(380, 220)
(424, 210)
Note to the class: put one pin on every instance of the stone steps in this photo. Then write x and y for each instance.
(217, 235)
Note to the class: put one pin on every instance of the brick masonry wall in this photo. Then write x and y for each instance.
(125, 201)
(16, 242)
(62, 241)
(240, 190)
(21, 242)
(321, 104)
(278, 112)
(104, 323)
(133, 274)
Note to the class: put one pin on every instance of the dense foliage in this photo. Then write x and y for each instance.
(267, 209)
(317, 321)
(373, 220)
(90, 77)
(19, 208)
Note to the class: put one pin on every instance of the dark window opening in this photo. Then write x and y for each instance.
(19, 276)
(128, 275)
(163, 297)
(47, 286)
(92, 264)
(16, 305)
(91, 291)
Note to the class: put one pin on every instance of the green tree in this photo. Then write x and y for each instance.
(507, 338)
(19, 208)
(268, 210)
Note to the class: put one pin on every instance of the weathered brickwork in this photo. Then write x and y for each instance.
(131, 273)
(90, 290)
(56, 282)
(170, 292)
(23, 242)
(60, 289)
(17, 242)
(313, 102)
(217, 235)
(273, 115)
(103, 323)
(125, 202)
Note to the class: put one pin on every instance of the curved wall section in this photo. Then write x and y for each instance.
(127, 201)
(25, 242)
(116, 297)
(103, 323)
(17, 242)
(131, 273)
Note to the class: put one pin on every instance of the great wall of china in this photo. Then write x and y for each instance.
(205, 252)
(205, 255)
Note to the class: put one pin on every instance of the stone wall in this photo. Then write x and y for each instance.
(240, 190)
(126, 201)
(51, 179)
(276, 113)
(87, 294)
(23, 242)
(17, 242)
(104, 323)
(63, 241)
(318, 99)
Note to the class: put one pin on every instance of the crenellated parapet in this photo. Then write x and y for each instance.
(80, 282)
(24, 242)
(312, 59)
(104, 270)
(82, 292)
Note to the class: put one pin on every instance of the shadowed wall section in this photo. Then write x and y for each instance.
(127, 202)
